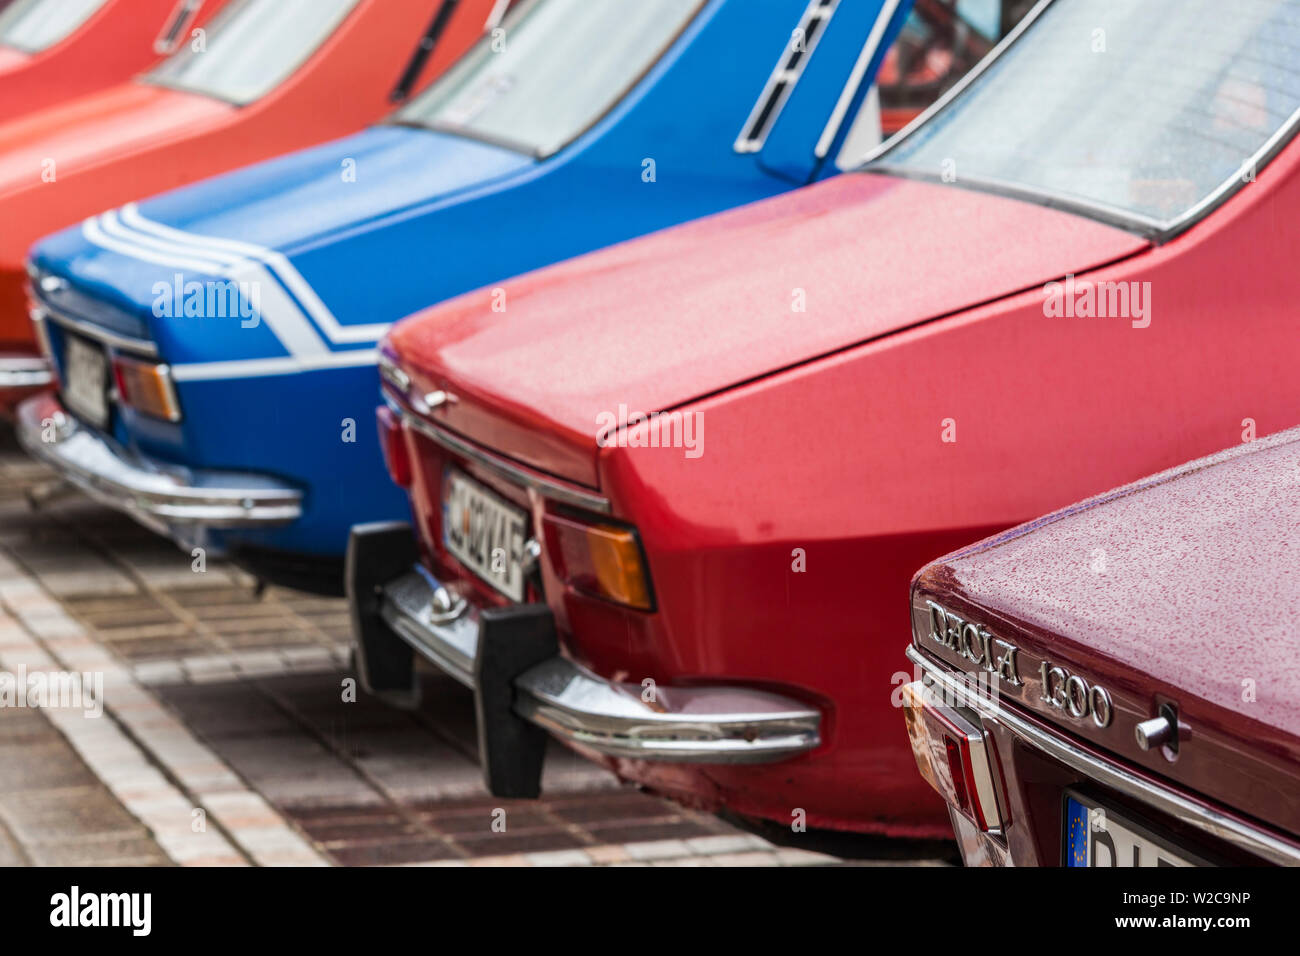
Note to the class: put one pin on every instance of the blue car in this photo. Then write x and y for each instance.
(215, 347)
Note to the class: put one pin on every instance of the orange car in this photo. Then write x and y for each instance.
(266, 77)
(54, 50)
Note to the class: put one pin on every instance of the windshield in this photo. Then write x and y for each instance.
(36, 25)
(554, 70)
(253, 47)
(1140, 113)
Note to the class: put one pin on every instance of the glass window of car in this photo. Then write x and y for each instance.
(1144, 114)
(555, 68)
(36, 25)
(252, 47)
(940, 41)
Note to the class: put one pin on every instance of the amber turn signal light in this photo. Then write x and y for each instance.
(600, 559)
(146, 387)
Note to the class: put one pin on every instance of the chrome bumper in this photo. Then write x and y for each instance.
(161, 499)
(683, 724)
(24, 371)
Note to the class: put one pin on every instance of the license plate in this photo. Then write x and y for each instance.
(485, 533)
(85, 385)
(1095, 835)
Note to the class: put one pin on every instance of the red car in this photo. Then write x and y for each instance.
(54, 50)
(668, 496)
(271, 76)
(1116, 684)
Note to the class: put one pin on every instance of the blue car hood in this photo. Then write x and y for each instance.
(282, 229)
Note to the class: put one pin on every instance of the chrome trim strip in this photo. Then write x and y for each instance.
(173, 31)
(125, 343)
(820, 10)
(1144, 226)
(24, 372)
(961, 85)
(546, 487)
(159, 500)
(1113, 775)
(684, 725)
(1158, 231)
(850, 90)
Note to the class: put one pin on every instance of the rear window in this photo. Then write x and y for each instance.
(36, 25)
(554, 70)
(252, 47)
(1145, 114)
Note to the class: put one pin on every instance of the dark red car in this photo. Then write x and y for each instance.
(669, 496)
(1116, 684)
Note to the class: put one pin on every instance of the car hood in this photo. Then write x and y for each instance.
(664, 319)
(99, 128)
(306, 220)
(1181, 586)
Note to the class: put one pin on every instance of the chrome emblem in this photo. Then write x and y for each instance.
(974, 642)
(1071, 693)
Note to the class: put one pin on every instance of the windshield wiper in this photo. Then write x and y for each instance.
(428, 43)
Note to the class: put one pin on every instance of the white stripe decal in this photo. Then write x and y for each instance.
(256, 368)
(112, 227)
(276, 308)
(128, 233)
(91, 230)
(292, 278)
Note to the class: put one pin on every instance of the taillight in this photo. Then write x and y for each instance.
(601, 559)
(396, 456)
(953, 755)
(146, 387)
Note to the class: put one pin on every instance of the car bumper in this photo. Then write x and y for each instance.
(166, 499)
(24, 372)
(696, 724)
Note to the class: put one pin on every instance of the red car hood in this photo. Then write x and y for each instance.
(98, 128)
(670, 317)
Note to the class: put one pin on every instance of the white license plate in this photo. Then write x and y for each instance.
(485, 533)
(85, 386)
(1095, 835)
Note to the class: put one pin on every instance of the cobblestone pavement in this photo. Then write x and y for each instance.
(226, 737)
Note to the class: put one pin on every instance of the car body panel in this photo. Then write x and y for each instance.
(114, 44)
(629, 332)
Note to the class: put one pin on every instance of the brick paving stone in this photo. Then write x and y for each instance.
(10, 853)
(649, 832)
(658, 849)
(530, 841)
(725, 843)
(44, 766)
(389, 854)
(55, 816)
(684, 861)
(559, 858)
